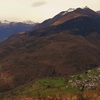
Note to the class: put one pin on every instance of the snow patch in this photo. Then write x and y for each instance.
(69, 10)
(64, 13)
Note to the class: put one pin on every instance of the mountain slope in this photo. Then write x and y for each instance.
(76, 84)
(54, 55)
(53, 51)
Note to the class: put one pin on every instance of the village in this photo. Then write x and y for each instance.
(86, 81)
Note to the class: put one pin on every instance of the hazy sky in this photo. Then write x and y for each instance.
(39, 10)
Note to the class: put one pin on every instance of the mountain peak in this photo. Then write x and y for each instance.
(67, 15)
(4, 22)
(73, 9)
(86, 7)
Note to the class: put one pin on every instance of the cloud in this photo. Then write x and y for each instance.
(37, 4)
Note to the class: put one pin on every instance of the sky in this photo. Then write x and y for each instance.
(40, 10)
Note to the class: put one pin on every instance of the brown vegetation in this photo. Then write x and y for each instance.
(87, 95)
(62, 50)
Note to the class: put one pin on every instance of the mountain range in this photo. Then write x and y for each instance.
(10, 28)
(67, 44)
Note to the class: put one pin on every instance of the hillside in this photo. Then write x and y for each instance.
(60, 50)
(77, 87)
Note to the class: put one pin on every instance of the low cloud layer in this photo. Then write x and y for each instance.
(37, 4)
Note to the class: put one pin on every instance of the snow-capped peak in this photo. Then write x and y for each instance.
(4, 21)
(28, 22)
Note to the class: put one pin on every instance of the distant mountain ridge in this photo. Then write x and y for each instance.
(8, 22)
(8, 28)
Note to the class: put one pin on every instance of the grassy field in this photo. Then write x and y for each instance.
(60, 85)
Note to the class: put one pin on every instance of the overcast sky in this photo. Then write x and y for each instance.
(39, 10)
